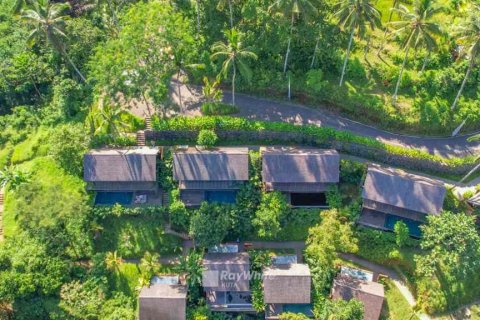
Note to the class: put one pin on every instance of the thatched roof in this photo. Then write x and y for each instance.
(371, 294)
(121, 165)
(163, 301)
(287, 284)
(404, 190)
(221, 267)
(220, 164)
(292, 165)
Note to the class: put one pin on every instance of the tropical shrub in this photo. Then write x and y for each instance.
(207, 138)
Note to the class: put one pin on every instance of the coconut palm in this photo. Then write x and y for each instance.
(48, 21)
(108, 120)
(234, 56)
(150, 263)
(468, 35)
(113, 261)
(418, 28)
(356, 15)
(292, 9)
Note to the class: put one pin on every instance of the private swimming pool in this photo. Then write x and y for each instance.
(221, 196)
(111, 198)
(413, 226)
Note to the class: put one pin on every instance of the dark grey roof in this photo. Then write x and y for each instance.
(290, 165)
(287, 284)
(371, 294)
(132, 165)
(163, 301)
(218, 267)
(404, 190)
(221, 164)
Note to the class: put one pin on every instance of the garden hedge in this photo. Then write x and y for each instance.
(233, 130)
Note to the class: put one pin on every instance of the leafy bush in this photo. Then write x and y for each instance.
(218, 109)
(334, 198)
(352, 171)
(315, 81)
(273, 206)
(209, 224)
(319, 134)
(207, 138)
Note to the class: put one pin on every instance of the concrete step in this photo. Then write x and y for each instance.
(148, 123)
(141, 138)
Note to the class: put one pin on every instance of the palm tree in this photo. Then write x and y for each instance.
(292, 8)
(355, 15)
(48, 20)
(150, 263)
(468, 34)
(108, 120)
(13, 177)
(419, 29)
(234, 57)
(113, 261)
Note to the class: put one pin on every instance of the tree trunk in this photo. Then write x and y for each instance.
(288, 46)
(179, 86)
(395, 3)
(401, 74)
(233, 83)
(198, 17)
(347, 55)
(425, 61)
(114, 15)
(470, 173)
(73, 64)
(367, 49)
(315, 53)
(231, 13)
(459, 94)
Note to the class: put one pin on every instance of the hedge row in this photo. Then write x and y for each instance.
(241, 130)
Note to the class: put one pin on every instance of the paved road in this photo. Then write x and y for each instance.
(271, 110)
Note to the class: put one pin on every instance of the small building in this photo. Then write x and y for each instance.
(391, 195)
(124, 176)
(303, 175)
(371, 294)
(287, 288)
(163, 300)
(210, 175)
(226, 282)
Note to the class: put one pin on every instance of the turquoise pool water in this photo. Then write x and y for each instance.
(413, 226)
(111, 198)
(221, 196)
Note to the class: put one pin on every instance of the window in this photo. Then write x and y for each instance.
(308, 199)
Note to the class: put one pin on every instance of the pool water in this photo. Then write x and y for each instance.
(111, 198)
(221, 196)
(413, 226)
(305, 309)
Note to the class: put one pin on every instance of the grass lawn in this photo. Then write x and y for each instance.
(395, 306)
(131, 236)
(34, 146)
(126, 279)
(45, 172)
